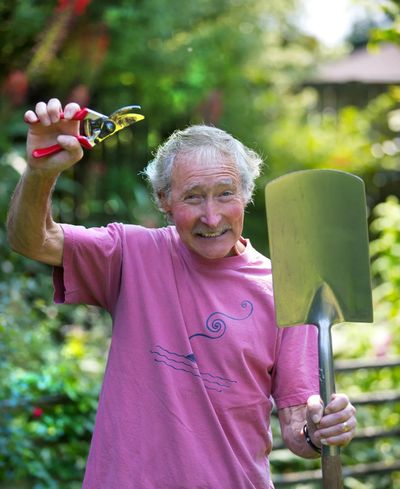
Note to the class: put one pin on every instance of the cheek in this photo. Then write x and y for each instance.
(237, 212)
(184, 218)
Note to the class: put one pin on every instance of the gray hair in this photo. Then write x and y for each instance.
(195, 138)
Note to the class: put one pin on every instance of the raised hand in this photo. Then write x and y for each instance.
(46, 128)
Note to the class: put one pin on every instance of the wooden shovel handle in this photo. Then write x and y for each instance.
(332, 471)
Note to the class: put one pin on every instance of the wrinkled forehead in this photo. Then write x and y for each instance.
(205, 168)
(206, 156)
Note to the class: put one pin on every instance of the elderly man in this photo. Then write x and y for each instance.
(196, 360)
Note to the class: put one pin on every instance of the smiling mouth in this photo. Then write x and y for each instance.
(215, 234)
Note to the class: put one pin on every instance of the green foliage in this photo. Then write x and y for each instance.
(234, 63)
(353, 139)
(378, 340)
(391, 32)
(225, 63)
(51, 362)
(385, 251)
(357, 341)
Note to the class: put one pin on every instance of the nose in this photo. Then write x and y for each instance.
(211, 215)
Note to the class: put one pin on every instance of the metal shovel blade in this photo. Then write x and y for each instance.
(318, 235)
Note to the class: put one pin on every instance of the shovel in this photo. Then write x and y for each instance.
(317, 226)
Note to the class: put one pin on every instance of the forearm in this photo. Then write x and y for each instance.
(292, 421)
(31, 229)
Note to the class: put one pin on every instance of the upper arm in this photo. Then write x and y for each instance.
(295, 376)
(91, 265)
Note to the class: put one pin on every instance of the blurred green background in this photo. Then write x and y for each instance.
(243, 65)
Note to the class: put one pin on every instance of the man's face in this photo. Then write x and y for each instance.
(206, 203)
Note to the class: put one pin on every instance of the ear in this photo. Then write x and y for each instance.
(164, 202)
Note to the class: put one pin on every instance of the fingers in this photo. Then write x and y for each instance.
(30, 117)
(337, 403)
(340, 435)
(51, 112)
(338, 424)
(70, 110)
(48, 113)
(315, 409)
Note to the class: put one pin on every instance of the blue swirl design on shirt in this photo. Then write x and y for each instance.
(216, 323)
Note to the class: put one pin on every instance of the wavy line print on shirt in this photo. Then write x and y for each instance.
(216, 327)
(189, 366)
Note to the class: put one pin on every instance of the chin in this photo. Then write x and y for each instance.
(213, 254)
(220, 248)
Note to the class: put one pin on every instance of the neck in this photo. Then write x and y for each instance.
(238, 249)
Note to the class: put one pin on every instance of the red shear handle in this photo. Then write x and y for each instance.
(56, 148)
(78, 116)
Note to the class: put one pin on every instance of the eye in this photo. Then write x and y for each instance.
(226, 194)
(192, 198)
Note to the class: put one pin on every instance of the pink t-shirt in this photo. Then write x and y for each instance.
(195, 361)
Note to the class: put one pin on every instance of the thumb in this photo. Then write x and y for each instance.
(315, 409)
(69, 143)
(72, 146)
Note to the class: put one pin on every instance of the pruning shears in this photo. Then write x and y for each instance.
(96, 127)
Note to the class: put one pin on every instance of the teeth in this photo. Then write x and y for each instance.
(212, 235)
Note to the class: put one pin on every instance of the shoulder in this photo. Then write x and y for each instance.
(116, 231)
(157, 236)
(149, 243)
(260, 264)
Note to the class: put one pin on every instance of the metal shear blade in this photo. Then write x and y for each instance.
(98, 130)
(96, 127)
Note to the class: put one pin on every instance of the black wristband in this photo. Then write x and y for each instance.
(309, 441)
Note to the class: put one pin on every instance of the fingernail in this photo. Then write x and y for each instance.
(323, 441)
(315, 418)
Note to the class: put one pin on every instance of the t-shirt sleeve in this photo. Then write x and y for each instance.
(296, 376)
(91, 270)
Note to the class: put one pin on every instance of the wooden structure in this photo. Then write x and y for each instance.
(358, 77)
